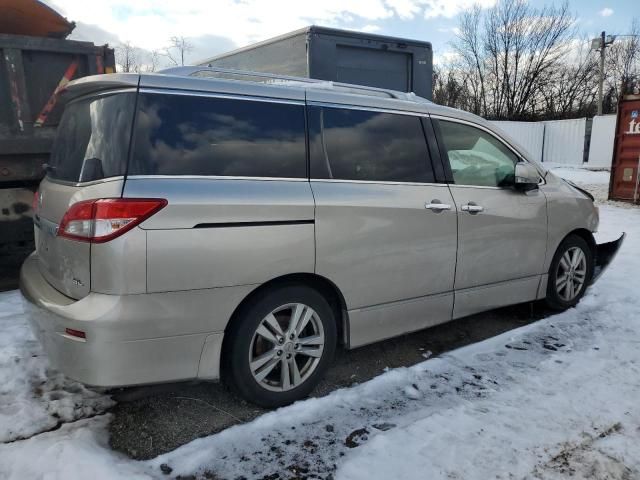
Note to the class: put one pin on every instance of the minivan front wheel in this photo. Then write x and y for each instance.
(570, 273)
(280, 345)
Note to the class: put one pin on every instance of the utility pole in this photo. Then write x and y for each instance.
(601, 82)
(600, 44)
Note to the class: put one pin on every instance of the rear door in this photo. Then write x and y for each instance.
(88, 161)
(385, 231)
(502, 232)
(233, 170)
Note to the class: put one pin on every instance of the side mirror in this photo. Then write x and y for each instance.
(526, 177)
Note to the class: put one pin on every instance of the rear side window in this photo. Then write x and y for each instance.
(195, 135)
(350, 144)
(92, 140)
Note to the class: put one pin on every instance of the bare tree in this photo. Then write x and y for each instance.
(177, 50)
(518, 62)
(450, 88)
(154, 61)
(623, 62)
(469, 49)
(127, 57)
(509, 52)
(571, 89)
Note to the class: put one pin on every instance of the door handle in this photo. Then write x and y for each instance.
(472, 208)
(437, 206)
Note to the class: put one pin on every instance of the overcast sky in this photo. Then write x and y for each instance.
(216, 26)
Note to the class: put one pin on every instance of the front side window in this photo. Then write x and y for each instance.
(349, 144)
(476, 157)
(195, 135)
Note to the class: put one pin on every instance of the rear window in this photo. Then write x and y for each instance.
(92, 140)
(196, 135)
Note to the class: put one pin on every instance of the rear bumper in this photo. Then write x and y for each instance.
(130, 339)
(605, 253)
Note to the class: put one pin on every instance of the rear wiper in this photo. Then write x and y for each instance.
(48, 168)
(91, 170)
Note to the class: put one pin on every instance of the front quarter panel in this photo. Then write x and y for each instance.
(568, 210)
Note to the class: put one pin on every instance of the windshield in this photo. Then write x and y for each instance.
(93, 139)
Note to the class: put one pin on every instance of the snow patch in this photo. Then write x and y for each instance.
(583, 176)
(34, 397)
(78, 450)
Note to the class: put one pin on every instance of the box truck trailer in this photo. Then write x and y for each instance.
(339, 56)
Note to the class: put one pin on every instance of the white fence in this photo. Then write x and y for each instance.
(603, 132)
(563, 141)
(530, 136)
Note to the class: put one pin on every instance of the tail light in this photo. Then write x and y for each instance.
(101, 220)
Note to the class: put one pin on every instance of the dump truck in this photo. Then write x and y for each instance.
(340, 56)
(36, 62)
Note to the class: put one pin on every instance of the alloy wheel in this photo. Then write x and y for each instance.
(286, 348)
(571, 274)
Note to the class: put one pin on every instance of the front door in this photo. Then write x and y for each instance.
(502, 232)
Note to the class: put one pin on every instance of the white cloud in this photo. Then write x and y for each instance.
(454, 30)
(405, 9)
(408, 9)
(606, 12)
(149, 24)
(370, 28)
(445, 58)
(451, 8)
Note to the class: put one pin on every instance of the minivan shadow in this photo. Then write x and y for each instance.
(152, 420)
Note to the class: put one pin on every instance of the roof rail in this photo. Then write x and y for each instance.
(276, 79)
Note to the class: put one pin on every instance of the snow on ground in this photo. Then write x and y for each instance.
(553, 399)
(33, 397)
(78, 450)
(566, 398)
(583, 176)
(595, 181)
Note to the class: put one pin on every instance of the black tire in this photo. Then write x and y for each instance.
(240, 343)
(554, 298)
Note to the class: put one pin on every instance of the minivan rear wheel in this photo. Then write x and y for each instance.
(280, 345)
(570, 273)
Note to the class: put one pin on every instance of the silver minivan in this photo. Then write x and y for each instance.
(207, 224)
